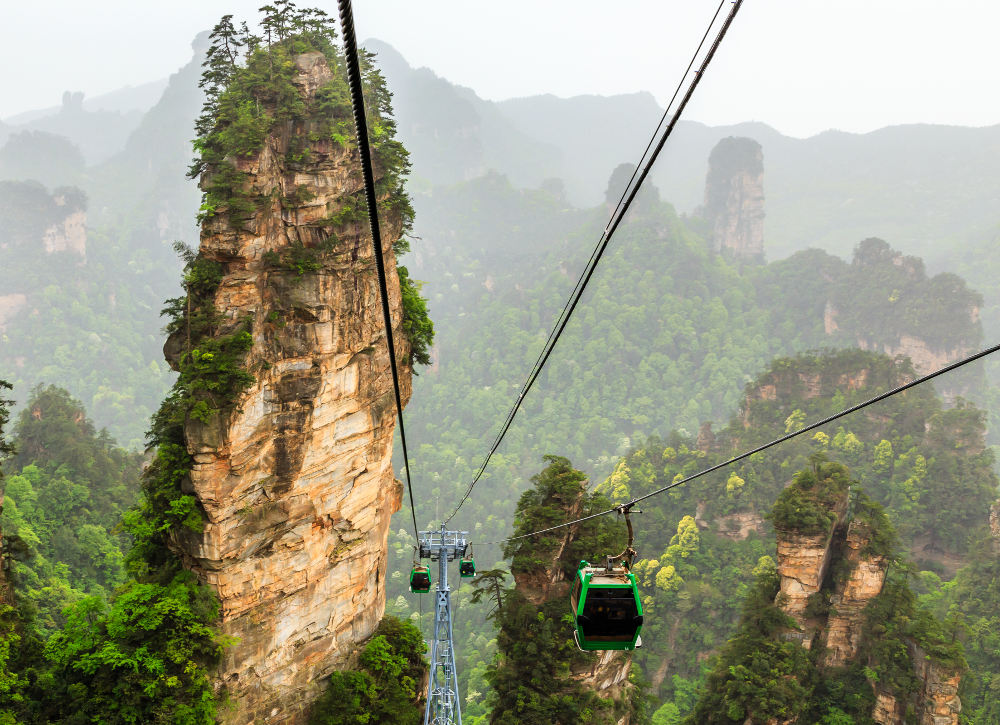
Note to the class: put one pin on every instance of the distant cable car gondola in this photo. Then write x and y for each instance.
(466, 568)
(420, 579)
(607, 610)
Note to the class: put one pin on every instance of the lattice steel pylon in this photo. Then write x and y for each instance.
(443, 706)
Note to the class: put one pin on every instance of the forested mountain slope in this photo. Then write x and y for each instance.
(139, 203)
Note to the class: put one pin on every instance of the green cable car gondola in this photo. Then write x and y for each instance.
(606, 608)
(420, 579)
(466, 568)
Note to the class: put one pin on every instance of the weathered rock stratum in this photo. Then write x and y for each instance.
(296, 483)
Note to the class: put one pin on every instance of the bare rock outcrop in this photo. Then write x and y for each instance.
(803, 561)
(734, 198)
(802, 565)
(838, 627)
(10, 305)
(608, 678)
(69, 235)
(864, 583)
(925, 357)
(938, 702)
(297, 483)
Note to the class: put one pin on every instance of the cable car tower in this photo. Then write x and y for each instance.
(443, 707)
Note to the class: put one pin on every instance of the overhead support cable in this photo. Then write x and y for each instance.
(360, 121)
(628, 196)
(746, 454)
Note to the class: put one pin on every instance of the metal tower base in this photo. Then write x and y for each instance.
(443, 706)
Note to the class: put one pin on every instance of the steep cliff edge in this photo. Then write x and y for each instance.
(294, 476)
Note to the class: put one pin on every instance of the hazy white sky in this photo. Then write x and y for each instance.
(802, 66)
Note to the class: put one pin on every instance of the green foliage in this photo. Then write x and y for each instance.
(558, 489)
(384, 689)
(872, 523)
(90, 329)
(146, 659)
(807, 506)
(416, 321)
(530, 681)
(250, 91)
(210, 361)
(489, 584)
(757, 676)
(298, 258)
(146, 656)
(970, 606)
(762, 672)
(908, 301)
(66, 491)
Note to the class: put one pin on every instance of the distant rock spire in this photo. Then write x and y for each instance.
(734, 198)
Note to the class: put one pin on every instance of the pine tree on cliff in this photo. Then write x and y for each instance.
(531, 680)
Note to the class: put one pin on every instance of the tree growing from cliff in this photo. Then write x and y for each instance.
(532, 678)
(249, 91)
(489, 585)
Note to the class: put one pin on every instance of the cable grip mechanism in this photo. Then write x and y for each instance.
(628, 555)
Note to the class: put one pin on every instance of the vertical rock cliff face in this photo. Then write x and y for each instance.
(296, 483)
(70, 233)
(804, 565)
(938, 700)
(734, 198)
(849, 598)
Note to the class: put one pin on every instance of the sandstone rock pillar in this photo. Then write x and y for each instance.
(297, 482)
(734, 198)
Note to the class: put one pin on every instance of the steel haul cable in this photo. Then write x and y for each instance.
(360, 121)
(764, 447)
(620, 211)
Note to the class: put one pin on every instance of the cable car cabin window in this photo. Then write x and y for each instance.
(609, 614)
(575, 596)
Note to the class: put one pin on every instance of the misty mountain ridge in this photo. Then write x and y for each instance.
(920, 183)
